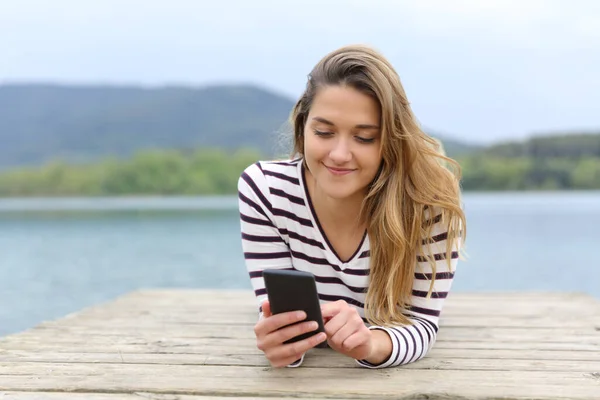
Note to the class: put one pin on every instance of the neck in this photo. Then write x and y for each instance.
(342, 212)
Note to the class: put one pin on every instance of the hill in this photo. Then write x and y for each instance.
(557, 145)
(40, 123)
(43, 122)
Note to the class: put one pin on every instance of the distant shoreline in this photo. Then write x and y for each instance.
(229, 202)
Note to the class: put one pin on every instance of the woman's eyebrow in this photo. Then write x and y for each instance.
(359, 126)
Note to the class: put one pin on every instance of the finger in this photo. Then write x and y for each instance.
(266, 309)
(337, 322)
(294, 350)
(358, 338)
(278, 337)
(329, 310)
(278, 321)
(344, 333)
(334, 324)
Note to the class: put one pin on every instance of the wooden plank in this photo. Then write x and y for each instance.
(191, 345)
(63, 354)
(246, 331)
(328, 360)
(491, 321)
(301, 382)
(167, 344)
(195, 300)
(151, 310)
(503, 354)
(221, 317)
(122, 396)
(245, 334)
(450, 309)
(149, 307)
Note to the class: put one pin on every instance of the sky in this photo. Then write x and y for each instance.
(479, 71)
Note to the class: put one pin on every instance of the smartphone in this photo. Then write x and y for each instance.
(291, 290)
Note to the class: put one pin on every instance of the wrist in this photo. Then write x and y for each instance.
(381, 347)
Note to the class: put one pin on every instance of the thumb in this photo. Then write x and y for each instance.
(266, 309)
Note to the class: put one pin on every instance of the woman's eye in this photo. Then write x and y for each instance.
(329, 134)
(322, 133)
(364, 140)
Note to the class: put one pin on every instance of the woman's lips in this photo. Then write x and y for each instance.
(339, 171)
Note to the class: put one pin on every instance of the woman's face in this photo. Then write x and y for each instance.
(342, 141)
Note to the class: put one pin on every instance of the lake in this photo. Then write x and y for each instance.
(61, 255)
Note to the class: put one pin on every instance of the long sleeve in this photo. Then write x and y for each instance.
(262, 244)
(412, 342)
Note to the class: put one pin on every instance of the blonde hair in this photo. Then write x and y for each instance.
(415, 182)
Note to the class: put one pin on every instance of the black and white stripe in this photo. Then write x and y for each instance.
(279, 229)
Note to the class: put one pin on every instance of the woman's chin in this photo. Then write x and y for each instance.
(339, 194)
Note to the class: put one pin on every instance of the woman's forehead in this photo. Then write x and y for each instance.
(337, 105)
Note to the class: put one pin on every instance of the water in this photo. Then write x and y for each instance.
(58, 256)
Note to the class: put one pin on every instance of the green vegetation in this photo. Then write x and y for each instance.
(551, 163)
(485, 173)
(557, 162)
(201, 172)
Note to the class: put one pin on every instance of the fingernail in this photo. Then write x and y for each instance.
(300, 315)
(314, 325)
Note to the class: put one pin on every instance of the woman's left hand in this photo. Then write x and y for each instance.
(346, 331)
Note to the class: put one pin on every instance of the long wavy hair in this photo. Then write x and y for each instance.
(415, 182)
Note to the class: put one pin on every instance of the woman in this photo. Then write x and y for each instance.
(368, 204)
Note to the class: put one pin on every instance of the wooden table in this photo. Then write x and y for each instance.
(199, 344)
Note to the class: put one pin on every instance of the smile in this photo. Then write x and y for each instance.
(339, 171)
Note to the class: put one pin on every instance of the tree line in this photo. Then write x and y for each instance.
(216, 171)
(525, 173)
(151, 172)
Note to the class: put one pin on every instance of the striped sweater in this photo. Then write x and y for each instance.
(279, 229)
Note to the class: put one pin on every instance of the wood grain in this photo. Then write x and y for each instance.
(197, 344)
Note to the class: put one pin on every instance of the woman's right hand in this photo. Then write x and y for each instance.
(270, 336)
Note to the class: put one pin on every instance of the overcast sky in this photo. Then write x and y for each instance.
(476, 70)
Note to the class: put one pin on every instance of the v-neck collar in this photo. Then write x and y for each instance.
(315, 219)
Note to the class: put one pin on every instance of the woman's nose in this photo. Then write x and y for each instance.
(340, 153)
